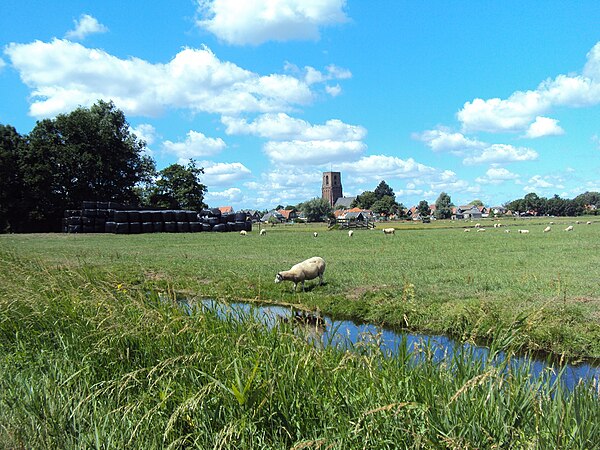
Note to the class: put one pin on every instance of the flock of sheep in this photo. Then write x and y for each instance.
(315, 267)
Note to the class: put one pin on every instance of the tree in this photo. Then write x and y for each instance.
(476, 202)
(386, 205)
(384, 190)
(11, 194)
(178, 187)
(316, 210)
(423, 208)
(443, 206)
(364, 200)
(88, 154)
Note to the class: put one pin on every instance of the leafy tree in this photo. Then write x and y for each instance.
(443, 206)
(386, 205)
(11, 193)
(178, 187)
(88, 154)
(423, 208)
(476, 202)
(364, 200)
(316, 210)
(384, 190)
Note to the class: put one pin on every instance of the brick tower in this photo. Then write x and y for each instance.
(332, 186)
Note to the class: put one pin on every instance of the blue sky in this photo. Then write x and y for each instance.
(483, 100)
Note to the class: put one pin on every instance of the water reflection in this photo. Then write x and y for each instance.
(324, 331)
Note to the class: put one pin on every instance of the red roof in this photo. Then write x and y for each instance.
(225, 209)
(285, 213)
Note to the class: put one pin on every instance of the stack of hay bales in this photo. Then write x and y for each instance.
(112, 217)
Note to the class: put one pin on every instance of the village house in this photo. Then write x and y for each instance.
(288, 214)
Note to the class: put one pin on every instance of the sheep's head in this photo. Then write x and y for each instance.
(278, 278)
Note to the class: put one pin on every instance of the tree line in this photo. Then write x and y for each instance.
(586, 203)
(89, 154)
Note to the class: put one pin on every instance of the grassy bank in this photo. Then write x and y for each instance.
(425, 278)
(92, 356)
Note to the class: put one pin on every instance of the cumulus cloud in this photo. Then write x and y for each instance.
(544, 126)
(539, 183)
(285, 186)
(520, 110)
(334, 91)
(313, 152)
(63, 75)
(196, 145)
(85, 26)
(497, 175)
(223, 174)
(253, 22)
(378, 167)
(146, 133)
(501, 153)
(441, 140)
(283, 127)
(222, 198)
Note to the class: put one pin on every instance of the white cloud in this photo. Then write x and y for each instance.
(64, 75)
(223, 174)
(146, 132)
(544, 126)
(334, 91)
(85, 26)
(285, 186)
(257, 21)
(497, 175)
(2, 64)
(313, 152)
(441, 139)
(196, 145)
(283, 127)
(224, 198)
(539, 183)
(501, 153)
(521, 108)
(379, 167)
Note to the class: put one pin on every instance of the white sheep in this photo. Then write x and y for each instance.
(569, 228)
(477, 225)
(547, 229)
(467, 230)
(479, 230)
(523, 231)
(306, 270)
(507, 231)
(243, 233)
(315, 234)
(350, 233)
(588, 222)
(389, 231)
(263, 232)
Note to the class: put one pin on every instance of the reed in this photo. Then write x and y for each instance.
(90, 362)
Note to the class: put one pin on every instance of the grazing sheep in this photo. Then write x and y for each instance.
(569, 228)
(306, 270)
(243, 233)
(467, 230)
(523, 231)
(588, 222)
(477, 225)
(479, 230)
(547, 229)
(263, 232)
(315, 234)
(389, 231)
(551, 223)
(350, 233)
(577, 222)
(507, 231)
(497, 225)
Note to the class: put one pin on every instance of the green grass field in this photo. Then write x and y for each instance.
(96, 353)
(427, 277)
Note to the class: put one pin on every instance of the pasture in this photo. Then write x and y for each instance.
(427, 277)
(96, 353)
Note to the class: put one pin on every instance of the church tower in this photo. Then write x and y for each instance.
(332, 186)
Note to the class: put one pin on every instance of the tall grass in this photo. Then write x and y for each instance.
(90, 362)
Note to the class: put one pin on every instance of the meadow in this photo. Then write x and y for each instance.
(427, 277)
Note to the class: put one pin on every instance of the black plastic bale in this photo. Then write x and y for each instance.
(88, 229)
(206, 227)
(115, 205)
(88, 205)
(240, 217)
(157, 216)
(135, 227)
(89, 212)
(99, 227)
(170, 227)
(134, 216)
(122, 228)
(121, 216)
(191, 216)
(74, 228)
(195, 227)
(159, 227)
(146, 216)
(72, 212)
(74, 220)
(248, 225)
(148, 227)
(110, 227)
(215, 212)
(183, 227)
(168, 216)
(102, 205)
(212, 221)
(220, 227)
